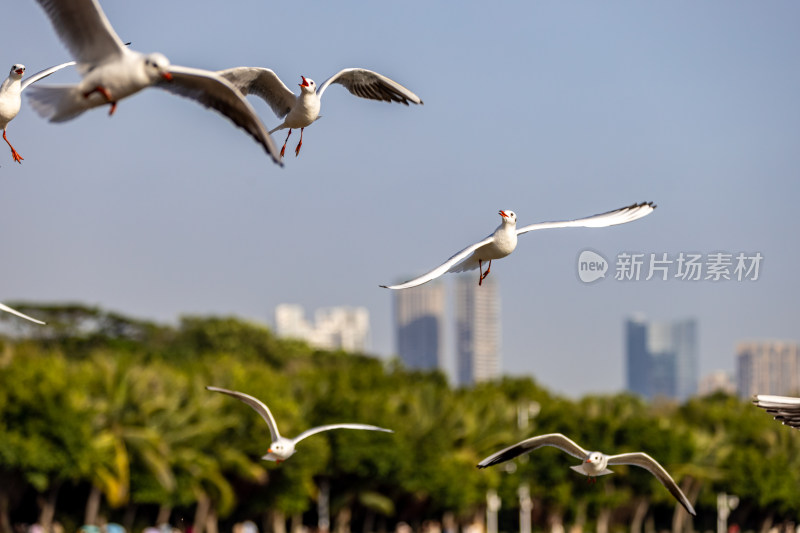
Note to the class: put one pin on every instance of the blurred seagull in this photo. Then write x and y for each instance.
(783, 408)
(504, 240)
(282, 448)
(10, 100)
(594, 463)
(301, 110)
(111, 72)
(8, 309)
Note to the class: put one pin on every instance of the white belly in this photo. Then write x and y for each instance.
(9, 107)
(304, 112)
(120, 78)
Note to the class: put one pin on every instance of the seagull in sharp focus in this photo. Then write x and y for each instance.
(8, 309)
(594, 463)
(783, 408)
(504, 240)
(281, 448)
(111, 71)
(11, 100)
(301, 110)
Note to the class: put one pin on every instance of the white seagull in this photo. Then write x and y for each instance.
(594, 463)
(281, 448)
(504, 240)
(10, 99)
(302, 110)
(4, 307)
(783, 408)
(111, 71)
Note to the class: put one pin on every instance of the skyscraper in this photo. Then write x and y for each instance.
(662, 358)
(419, 326)
(334, 328)
(477, 330)
(768, 367)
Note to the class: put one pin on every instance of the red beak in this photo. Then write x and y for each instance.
(167, 76)
(269, 450)
(305, 82)
(503, 214)
(19, 71)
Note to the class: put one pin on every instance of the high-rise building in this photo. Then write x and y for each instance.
(768, 367)
(334, 328)
(477, 330)
(662, 358)
(419, 315)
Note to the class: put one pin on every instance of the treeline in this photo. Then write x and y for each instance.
(103, 417)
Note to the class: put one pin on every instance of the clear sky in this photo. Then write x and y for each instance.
(554, 110)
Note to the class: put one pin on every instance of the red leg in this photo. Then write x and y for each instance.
(484, 274)
(480, 269)
(297, 150)
(18, 158)
(283, 149)
(107, 95)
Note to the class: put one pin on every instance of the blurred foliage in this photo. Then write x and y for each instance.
(98, 401)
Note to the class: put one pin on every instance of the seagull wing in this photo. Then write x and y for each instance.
(783, 408)
(367, 84)
(651, 465)
(217, 93)
(611, 218)
(556, 440)
(43, 74)
(263, 83)
(84, 29)
(444, 267)
(320, 429)
(8, 309)
(256, 404)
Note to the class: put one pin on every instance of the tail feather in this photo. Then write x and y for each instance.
(58, 103)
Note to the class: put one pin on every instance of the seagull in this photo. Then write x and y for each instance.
(111, 71)
(783, 408)
(594, 463)
(8, 309)
(504, 240)
(302, 110)
(10, 100)
(282, 448)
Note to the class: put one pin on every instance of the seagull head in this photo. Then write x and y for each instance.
(308, 85)
(509, 217)
(17, 71)
(280, 450)
(597, 461)
(157, 66)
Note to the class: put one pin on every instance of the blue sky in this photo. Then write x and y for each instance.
(552, 110)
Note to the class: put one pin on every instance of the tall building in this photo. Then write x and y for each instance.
(334, 328)
(661, 358)
(477, 330)
(768, 367)
(419, 326)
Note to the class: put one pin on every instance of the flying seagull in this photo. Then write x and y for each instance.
(504, 240)
(783, 408)
(301, 110)
(281, 448)
(111, 71)
(10, 99)
(8, 309)
(594, 463)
